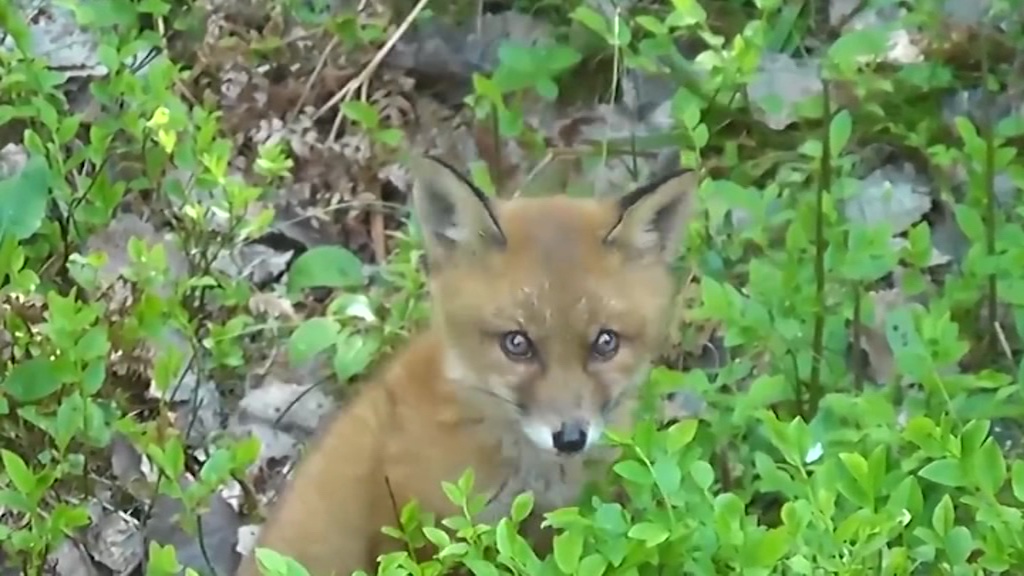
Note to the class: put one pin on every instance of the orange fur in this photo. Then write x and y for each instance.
(558, 270)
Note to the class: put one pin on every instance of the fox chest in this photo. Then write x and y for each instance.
(555, 483)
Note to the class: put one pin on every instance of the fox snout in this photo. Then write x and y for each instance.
(566, 437)
(571, 437)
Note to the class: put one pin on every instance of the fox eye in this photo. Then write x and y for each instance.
(517, 345)
(605, 345)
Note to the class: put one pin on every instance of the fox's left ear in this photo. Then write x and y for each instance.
(653, 216)
(455, 215)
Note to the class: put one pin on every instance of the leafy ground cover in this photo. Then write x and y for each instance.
(204, 246)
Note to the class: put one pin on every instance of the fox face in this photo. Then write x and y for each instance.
(550, 308)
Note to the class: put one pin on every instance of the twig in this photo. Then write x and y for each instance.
(809, 402)
(849, 16)
(380, 246)
(547, 159)
(1003, 342)
(361, 81)
(316, 74)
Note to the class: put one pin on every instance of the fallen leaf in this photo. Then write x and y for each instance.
(780, 85)
(285, 405)
(896, 195)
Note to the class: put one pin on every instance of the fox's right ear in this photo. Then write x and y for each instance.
(454, 215)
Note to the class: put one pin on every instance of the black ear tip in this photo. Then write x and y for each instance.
(463, 179)
(628, 200)
(437, 159)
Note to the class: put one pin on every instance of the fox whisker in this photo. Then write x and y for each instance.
(494, 394)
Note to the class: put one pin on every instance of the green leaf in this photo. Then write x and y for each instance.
(325, 267)
(456, 549)
(946, 472)
(943, 516)
(505, 537)
(32, 380)
(466, 481)
(771, 547)
(991, 467)
(764, 391)
(1017, 480)
(634, 471)
(969, 133)
(93, 344)
(856, 483)
(217, 467)
(973, 436)
(773, 477)
(856, 465)
(667, 475)
(452, 491)
(23, 199)
(437, 536)
(568, 548)
(94, 376)
(11, 499)
(652, 534)
(593, 565)
(592, 19)
(390, 137)
(362, 112)
(522, 506)
(852, 47)
(16, 469)
(680, 434)
(558, 58)
(354, 353)
(547, 89)
(919, 251)
(275, 564)
(686, 13)
(906, 496)
(164, 560)
(171, 458)
(98, 431)
(480, 567)
(70, 420)
(959, 545)
(68, 517)
(839, 131)
(702, 473)
(970, 222)
(312, 337)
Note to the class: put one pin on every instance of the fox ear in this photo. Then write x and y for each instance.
(454, 214)
(652, 216)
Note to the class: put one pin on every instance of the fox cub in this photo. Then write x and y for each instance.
(546, 315)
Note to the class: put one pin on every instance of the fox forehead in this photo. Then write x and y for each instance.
(555, 271)
(560, 261)
(556, 231)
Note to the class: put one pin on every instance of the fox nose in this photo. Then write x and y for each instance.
(570, 438)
